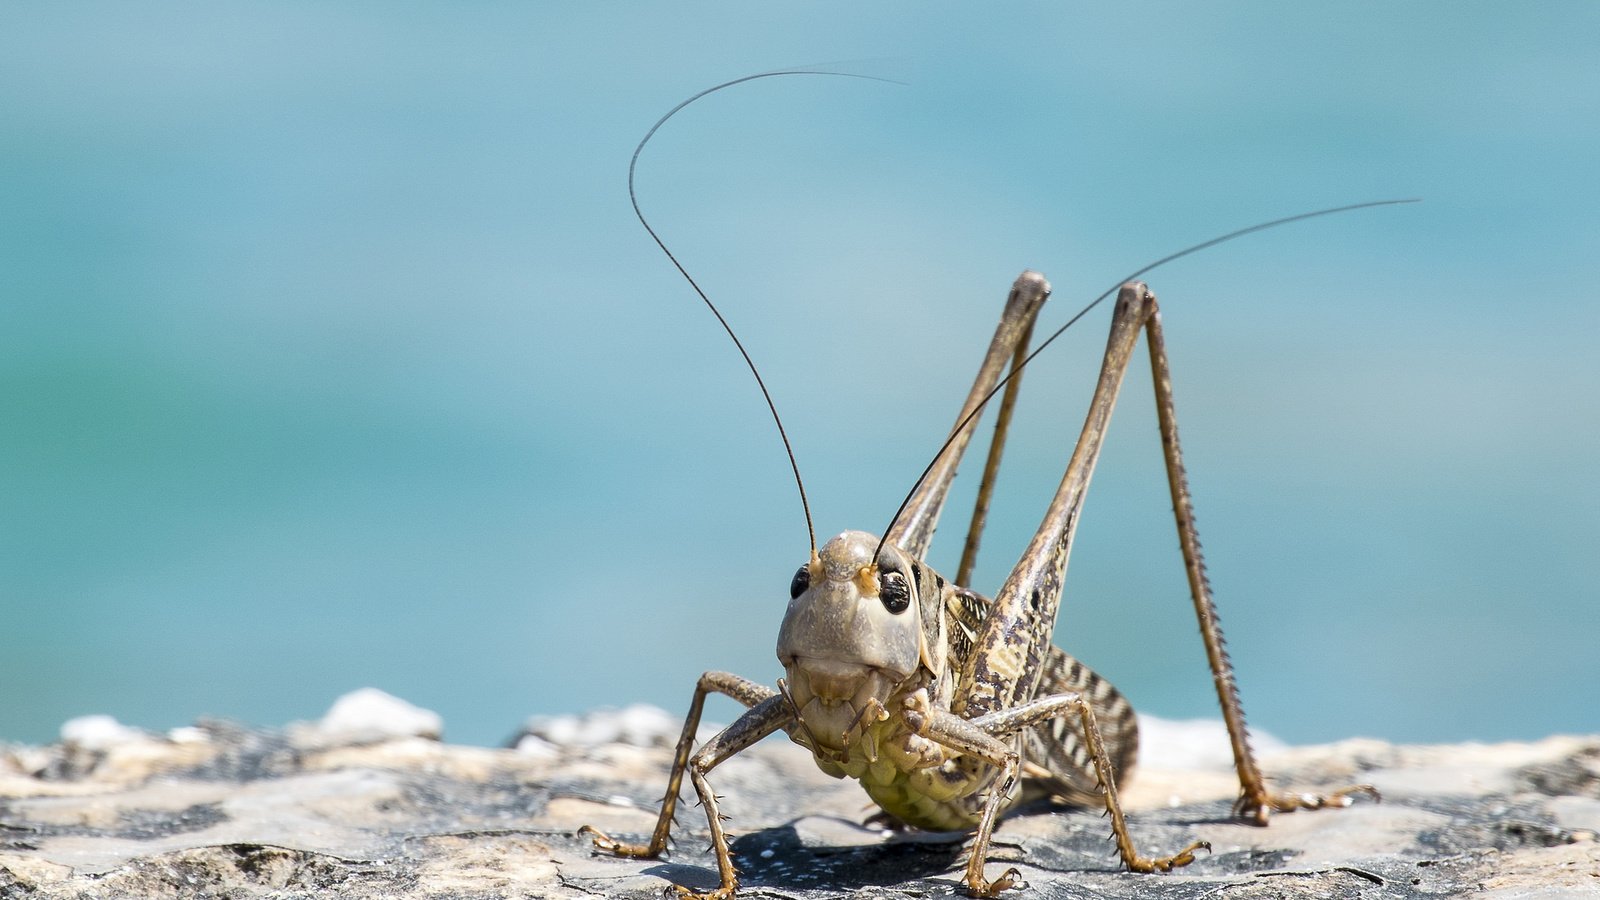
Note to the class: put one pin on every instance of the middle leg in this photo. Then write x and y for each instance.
(1043, 709)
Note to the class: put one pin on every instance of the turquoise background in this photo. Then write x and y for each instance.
(331, 354)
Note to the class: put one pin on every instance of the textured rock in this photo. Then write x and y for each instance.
(219, 810)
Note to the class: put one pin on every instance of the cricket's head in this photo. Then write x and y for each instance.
(851, 636)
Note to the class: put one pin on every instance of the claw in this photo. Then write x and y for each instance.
(1010, 878)
(1257, 808)
(723, 892)
(1185, 856)
(1168, 863)
(606, 844)
(1344, 796)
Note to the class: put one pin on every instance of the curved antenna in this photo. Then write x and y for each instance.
(1196, 248)
(633, 197)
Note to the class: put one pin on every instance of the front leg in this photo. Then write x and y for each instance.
(745, 691)
(766, 717)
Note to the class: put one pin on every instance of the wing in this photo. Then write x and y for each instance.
(1057, 746)
(1056, 760)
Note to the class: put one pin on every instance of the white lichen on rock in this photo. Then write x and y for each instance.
(370, 714)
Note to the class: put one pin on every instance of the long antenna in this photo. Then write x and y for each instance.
(633, 197)
(1203, 245)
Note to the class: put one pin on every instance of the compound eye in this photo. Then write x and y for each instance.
(894, 592)
(802, 580)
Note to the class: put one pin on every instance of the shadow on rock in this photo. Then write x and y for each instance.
(779, 858)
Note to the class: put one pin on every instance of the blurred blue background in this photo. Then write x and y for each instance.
(331, 354)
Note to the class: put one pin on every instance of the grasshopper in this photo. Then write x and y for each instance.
(947, 706)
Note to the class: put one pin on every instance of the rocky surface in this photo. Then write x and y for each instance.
(368, 803)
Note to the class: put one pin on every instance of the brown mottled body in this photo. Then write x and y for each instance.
(941, 702)
(946, 705)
